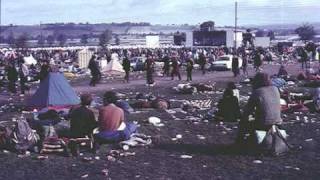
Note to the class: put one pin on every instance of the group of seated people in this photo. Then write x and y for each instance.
(263, 104)
(110, 127)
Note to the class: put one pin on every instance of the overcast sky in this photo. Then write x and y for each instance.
(254, 12)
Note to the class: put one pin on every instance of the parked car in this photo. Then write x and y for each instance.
(137, 63)
(224, 63)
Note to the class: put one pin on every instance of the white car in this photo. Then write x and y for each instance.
(224, 62)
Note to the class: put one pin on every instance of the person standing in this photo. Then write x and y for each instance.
(166, 66)
(202, 63)
(257, 61)
(244, 64)
(95, 72)
(235, 66)
(45, 69)
(23, 74)
(189, 69)
(12, 75)
(149, 65)
(175, 69)
(126, 67)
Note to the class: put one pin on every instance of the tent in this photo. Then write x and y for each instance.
(84, 57)
(114, 66)
(30, 60)
(54, 91)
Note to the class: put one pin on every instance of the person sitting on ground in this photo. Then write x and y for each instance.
(151, 101)
(314, 106)
(228, 107)
(232, 86)
(82, 119)
(282, 71)
(264, 104)
(112, 127)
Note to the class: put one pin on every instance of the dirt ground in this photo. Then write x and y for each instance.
(208, 144)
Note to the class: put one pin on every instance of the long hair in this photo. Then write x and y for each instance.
(261, 80)
(110, 97)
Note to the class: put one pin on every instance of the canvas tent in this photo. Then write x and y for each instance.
(54, 91)
(84, 57)
(114, 65)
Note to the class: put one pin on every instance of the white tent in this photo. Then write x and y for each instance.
(114, 66)
(84, 57)
(103, 63)
(30, 60)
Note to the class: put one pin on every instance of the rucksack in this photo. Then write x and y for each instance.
(23, 137)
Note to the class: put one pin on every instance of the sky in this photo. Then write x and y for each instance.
(250, 12)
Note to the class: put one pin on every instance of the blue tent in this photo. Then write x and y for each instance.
(54, 91)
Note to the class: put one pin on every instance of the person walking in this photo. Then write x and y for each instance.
(245, 64)
(202, 63)
(126, 67)
(235, 66)
(95, 72)
(12, 76)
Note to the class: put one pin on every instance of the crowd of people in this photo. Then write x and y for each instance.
(264, 102)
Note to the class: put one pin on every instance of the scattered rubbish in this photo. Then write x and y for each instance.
(42, 157)
(125, 147)
(155, 121)
(201, 137)
(125, 154)
(257, 161)
(111, 158)
(308, 140)
(105, 172)
(178, 136)
(185, 156)
(97, 158)
(85, 176)
(87, 159)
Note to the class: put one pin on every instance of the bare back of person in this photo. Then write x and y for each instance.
(110, 117)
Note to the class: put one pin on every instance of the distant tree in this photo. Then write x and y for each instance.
(271, 35)
(11, 40)
(50, 40)
(305, 32)
(62, 39)
(21, 41)
(41, 40)
(105, 37)
(84, 39)
(117, 41)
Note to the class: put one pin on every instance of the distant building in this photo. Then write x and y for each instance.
(216, 38)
